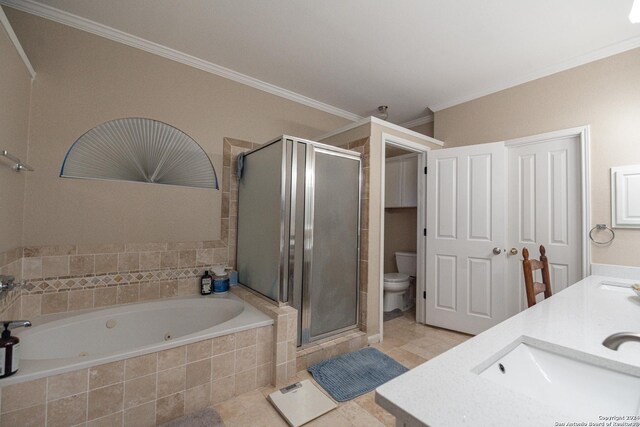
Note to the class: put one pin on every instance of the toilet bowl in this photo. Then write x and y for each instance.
(396, 285)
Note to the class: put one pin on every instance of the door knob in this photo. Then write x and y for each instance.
(513, 251)
(497, 251)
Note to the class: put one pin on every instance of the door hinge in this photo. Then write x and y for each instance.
(425, 170)
(424, 231)
(424, 295)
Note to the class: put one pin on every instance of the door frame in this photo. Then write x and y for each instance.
(583, 135)
(422, 151)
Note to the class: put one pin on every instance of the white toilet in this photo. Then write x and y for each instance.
(396, 285)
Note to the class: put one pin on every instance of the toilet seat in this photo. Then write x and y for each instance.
(396, 282)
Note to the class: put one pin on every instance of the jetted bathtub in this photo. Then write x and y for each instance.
(65, 342)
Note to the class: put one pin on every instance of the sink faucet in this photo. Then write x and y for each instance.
(614, 341)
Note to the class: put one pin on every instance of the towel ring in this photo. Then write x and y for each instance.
(602, 227)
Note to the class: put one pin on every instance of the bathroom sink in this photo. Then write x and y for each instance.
(566, 382)
(622, 287)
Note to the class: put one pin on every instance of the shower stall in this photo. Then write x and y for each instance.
(299, 231)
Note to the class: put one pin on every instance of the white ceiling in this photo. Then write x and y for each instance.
(358, 54)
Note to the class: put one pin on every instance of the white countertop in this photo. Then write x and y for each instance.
(447, 391)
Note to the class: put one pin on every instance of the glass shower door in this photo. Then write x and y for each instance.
(331, 259)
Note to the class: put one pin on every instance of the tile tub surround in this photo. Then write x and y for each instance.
(145, 390)
(11, 265)
(448, 391)
(285, 332)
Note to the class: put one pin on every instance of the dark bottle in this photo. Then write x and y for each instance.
(10, 348)
(205, 284)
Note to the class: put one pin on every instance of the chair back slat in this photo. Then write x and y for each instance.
(529, 266)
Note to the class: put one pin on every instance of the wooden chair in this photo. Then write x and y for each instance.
(529, 266)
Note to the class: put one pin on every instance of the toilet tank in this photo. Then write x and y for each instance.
(406, 263)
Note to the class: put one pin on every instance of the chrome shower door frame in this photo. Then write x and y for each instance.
(310, 170)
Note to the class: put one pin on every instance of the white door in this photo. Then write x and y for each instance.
(465, 223)
(544, 194)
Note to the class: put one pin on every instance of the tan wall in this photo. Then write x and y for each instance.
(15, 88)
(84, 80)
(425, 129)
(400, 227)
(604, 94)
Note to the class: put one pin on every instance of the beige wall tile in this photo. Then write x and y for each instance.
(264, 352)
(169, 408)
(149, 260)
(198, 373)
(245, 338)
(128, 261)
(105, 401)
(169, 259)
(190, 286)
(204, 257)
(223, 365)
(222, 389)
(223, 344)
(141, 416)
(55, 266)
(149, 291)
(80, 299)
(199, 350)
(140, 390)
(145, 247)
(264, 334)
(32, 268)
(197, 398)
(106, 263)
(168, 288)
(140, 366)
(264, 375)
(31, 306)
(64, 385)
(103, 297)
(107, 374)
(67, 411)
(281, 352)
(171, 381)
(23, 395)
(127, 294)
(246, 381)
(245, 358)
(81, 265)
(281, 374)
(187, 258)
(112, 420)
(34, 416)
(100, 248)
(55, 302)
(172, 357)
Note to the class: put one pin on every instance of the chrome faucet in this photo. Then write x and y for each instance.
(7, 283)
(616, 340)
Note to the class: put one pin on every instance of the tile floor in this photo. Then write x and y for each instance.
(406, 341)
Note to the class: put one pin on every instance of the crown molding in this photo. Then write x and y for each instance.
(16, 43)
(576, 61)
(71, 20)
(419, 121)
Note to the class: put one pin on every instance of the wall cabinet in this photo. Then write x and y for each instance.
(401, 182)
(625, 195)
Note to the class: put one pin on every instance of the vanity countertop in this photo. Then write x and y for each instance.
(447, 390)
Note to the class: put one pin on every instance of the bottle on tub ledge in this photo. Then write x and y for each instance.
(10, 348)
(206, 282)
(220, 279)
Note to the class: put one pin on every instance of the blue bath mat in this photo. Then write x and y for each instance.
(351, 375)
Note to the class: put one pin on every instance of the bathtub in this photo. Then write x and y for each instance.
(65, 342)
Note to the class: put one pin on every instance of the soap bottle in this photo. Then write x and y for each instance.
(10, 348)
(205, 284)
